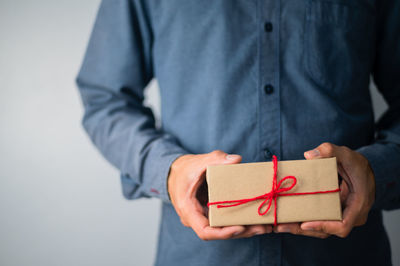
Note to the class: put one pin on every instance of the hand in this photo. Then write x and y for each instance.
(186, 178)
(357, 193)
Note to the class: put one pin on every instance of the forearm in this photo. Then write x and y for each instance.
(384, 159)
(125, 133)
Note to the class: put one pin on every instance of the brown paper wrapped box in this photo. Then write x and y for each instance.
(247, 180)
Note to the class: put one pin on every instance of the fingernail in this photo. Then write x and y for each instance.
(312, 153)
(232, 157)
(305, 228)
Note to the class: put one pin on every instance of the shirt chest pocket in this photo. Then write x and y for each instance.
(337, 45)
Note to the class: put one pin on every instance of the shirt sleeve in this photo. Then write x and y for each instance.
(384, 154)
(116, 68)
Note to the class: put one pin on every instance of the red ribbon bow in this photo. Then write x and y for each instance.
(276, 191)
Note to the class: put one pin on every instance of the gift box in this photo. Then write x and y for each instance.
(273, 192)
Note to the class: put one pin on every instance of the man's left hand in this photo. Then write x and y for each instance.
(357, 194)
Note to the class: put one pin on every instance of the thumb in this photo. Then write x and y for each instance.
(220, 157)
(213, 158)
(325, 150)
(233, 158)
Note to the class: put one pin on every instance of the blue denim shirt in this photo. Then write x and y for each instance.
(251, 77)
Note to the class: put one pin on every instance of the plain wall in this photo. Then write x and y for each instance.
(60, 201)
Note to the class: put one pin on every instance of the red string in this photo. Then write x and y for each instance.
(276, 191)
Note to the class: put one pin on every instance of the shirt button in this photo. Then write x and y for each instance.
(267, 154)
(268, 26)
(268, 89)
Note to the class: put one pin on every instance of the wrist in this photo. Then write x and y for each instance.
(370, 175)
(174, 168)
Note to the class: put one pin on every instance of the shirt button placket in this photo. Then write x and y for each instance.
(269, 80)
(269, 103)
(269, 106)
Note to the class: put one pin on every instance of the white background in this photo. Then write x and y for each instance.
(60, 201)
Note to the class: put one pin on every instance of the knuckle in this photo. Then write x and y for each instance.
(204, 237)
(183, 221)
(201, 235)
(179, 208)
(362, 221)
(343, 233)
(327, 147)
(345, 148)
(216, 155)
(185, 224)
(345, 223)
(217, 152)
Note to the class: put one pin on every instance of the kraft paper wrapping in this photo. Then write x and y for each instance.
(247, 180)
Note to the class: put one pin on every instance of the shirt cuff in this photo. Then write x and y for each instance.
(384, 159)
(155, 165)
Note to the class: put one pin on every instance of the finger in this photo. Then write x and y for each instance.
(338, 228)
(294, 228)
(215, 157)
(343, 173)
(344, 192)
(212, 158)
(252, 230)
(325, 150)
(220, 157)
(327, 227)
(200, 225)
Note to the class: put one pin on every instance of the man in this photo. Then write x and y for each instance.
(241, 80)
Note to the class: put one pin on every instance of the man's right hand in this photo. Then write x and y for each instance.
(187, 174)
